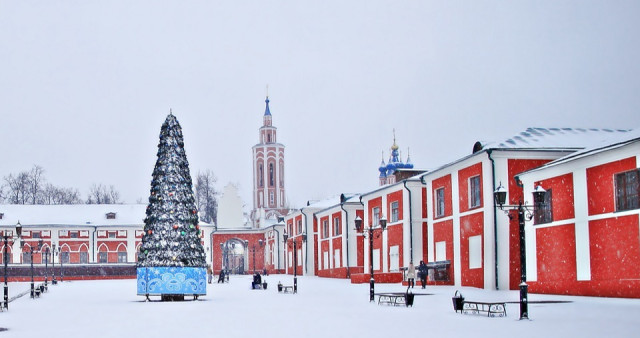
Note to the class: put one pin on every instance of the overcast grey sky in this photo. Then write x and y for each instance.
(85, 85)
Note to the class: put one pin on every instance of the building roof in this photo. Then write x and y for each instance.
(76, 214)
(557, 138)
(615, 141)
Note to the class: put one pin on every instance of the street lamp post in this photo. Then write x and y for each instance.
(46, 266)
(370, 233)
(61, 267)
(500, 196)
(223, 250)
(6, 261)
(53, 264)
(253, 249)
(31, 250)
(285, 236)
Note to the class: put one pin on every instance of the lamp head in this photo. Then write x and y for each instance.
(538, 195)
(500, 195)
(358, 222)
(383, 222)
(285, 236)
(19, 229)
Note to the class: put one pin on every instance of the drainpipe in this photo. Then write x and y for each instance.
(410, 224)
(277, 247)
(306, 246)
(93, 244)
(425, 203)
(495, 217)
(342, 200)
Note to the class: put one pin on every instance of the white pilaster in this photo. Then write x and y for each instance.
(581, 208)
(455, 208)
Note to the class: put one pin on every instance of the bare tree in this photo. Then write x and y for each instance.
(36, 182)
(55, 195)
(100, 194)
(17, 187)
(206, 196)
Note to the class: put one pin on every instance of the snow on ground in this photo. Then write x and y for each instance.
(322, 308)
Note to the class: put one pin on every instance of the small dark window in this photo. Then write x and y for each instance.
(111, 215)
(271, 174)
(112, 234)
(474, 192)
(337, 229)
(440, 202)
(102, 257)
(26, 257)
(1, 215)
(64, 257)
(544, 213)
(627, 190)
(395, 212)
(73, 234)
(84, 258)
(325, 228)
(36, 234)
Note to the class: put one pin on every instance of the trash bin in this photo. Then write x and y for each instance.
(458, 300)
(264, 286)
(409, 298)
(279, 287)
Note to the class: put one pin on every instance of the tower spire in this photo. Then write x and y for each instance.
(267, 112)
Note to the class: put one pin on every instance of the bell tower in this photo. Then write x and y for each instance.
(269, 199)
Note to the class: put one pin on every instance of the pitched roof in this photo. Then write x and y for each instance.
(615, 141)
(557, 138)
(76, 214)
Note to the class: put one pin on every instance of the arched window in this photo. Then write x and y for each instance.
(261, 175)
(271, 174)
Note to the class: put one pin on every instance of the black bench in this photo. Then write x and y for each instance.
(258, 286)
(492, 309)
(396, 298)
(287, 288)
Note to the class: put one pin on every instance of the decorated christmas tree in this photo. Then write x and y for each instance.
(171, 261)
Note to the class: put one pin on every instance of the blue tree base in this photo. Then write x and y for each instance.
(161, 281)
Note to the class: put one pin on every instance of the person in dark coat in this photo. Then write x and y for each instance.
(221, 276)
(422, 273)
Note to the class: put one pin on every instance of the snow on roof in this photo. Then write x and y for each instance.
(555, 138)
(615, 141)
(329, 201)
(76, 214)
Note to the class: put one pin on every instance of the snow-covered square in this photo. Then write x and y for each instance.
(323, 307)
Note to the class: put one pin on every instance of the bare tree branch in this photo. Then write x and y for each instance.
(206, 196)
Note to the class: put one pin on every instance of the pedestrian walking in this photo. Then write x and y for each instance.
(411, 274)
(422, 273)
(209, 273)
